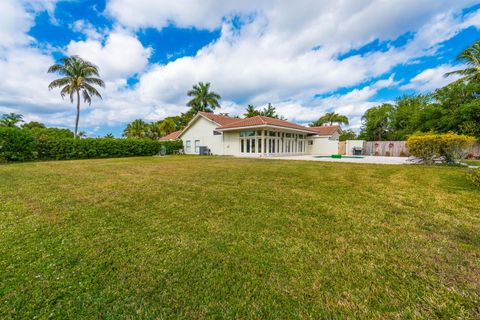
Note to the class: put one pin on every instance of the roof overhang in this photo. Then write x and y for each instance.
(262, 126)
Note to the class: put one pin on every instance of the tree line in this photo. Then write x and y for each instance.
(455, 107)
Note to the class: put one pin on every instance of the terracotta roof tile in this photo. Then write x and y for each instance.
(262, 120)
(325, 130)
(218, 118)
(171, 136)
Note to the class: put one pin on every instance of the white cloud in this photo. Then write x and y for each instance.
(433, 78)
(269, 59)
(120, 56)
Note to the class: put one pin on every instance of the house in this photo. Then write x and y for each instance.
(255, 136)
(171, 136)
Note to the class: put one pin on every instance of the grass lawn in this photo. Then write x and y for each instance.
(472, 162)
(189, 237)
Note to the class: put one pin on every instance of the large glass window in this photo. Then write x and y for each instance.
(253, 145)
(272, 134)
(248, 145)
(242, 146)
(188, 146)
(197, 146)
(259, 145)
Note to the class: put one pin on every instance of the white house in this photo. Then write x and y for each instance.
(255, 136)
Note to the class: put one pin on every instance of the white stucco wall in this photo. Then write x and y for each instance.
(231, 143)
(202, 129)
(322, 146)
(350, 144)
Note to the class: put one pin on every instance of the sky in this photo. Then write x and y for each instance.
(306, 57)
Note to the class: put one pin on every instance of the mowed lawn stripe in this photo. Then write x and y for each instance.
(193, 237)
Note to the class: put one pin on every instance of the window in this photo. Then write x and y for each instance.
(242, 148)
(248, 145)
(242, 133)
(259, 145)
(259, 133)
(197, 146)
(250, 133)
(253, 145)
(288, 135)
(310, 142)
(216, 133)
(188, 146)
(272, 134)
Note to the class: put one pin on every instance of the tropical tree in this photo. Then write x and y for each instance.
(330, 118)
(202, 99)
(471, 58)
(168, 126)
(33, 125)
(109, 136)
(136, 129)
(10, 120)
(251, 111)
(78, 78)
(377, 122)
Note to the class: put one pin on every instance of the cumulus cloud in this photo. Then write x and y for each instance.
(433, 78)
(121, 54)
(268, 51)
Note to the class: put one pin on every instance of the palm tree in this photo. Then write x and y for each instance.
(78, 77)
(202, 98)
(251, 111)
(330, 118)
(471, 58)
(10, 120)
(136, 129)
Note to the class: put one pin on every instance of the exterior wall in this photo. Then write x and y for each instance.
(322, 146)
(202, 129)
(231, 143)
(353, 144)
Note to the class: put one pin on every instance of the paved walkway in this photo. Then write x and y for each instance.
(365, 159)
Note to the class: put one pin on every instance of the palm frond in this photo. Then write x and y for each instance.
(96, 81)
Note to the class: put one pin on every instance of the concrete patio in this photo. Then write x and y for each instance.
(364, 159)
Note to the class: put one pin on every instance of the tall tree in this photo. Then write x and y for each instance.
(330, 118)
(78, 78)
(202, 99)
(136, 129)
(33, 125)
(251, 111)
(377, 122)
(10, 120)
(471, 58)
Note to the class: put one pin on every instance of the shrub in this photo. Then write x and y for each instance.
(430, 145)
(474, 177)
(67, 149)
(45, 144)
(454, 147)
(424, 146)
(16, 145)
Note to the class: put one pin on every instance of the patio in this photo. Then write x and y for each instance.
(363, 159)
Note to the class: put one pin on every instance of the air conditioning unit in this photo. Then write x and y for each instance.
(204, 151)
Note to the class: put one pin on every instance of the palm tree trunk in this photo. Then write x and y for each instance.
(78, 114)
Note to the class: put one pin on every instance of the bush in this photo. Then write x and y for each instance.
(56, 144)
(16, 145)
(474, 177)
(427, 146)
(68, 149)
(454, 147)
(424, 146)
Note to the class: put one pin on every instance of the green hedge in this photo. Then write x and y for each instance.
(23, 145)
(17, 145)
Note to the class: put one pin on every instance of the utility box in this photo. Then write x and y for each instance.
(204, 151)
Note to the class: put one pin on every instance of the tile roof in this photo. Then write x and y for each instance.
(262, 120)
(325, 130)
(171, 136)
(218, 118)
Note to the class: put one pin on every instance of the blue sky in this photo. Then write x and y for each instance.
(306, 58)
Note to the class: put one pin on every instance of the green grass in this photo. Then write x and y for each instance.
(472, 162)
(188, 237)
